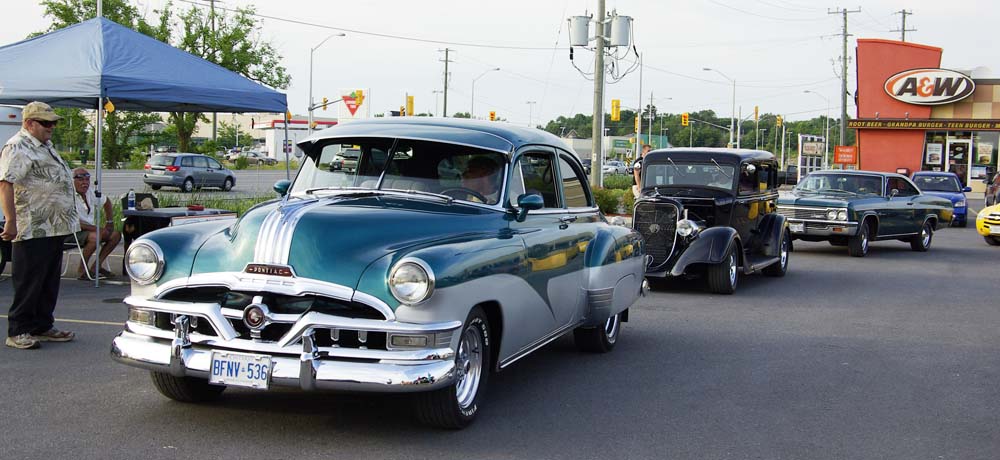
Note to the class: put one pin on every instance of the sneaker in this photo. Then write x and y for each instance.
(84, 277)
(106, 273)
(23, 342)
(54, 335)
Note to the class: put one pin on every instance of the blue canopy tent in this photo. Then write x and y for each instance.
(86, 64)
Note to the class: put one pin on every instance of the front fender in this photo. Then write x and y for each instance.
(708, 248)
(181, 246)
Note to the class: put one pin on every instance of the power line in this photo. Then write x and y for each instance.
(773, 18)
(376, 34)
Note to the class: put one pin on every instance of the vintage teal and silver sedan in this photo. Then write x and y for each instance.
(452, 250)
(854, 208)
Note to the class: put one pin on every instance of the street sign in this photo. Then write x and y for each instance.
(845, 154)
(620, 144)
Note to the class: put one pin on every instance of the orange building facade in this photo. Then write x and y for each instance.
(915, 116)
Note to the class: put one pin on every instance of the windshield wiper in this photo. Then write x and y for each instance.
(675, 166)
(723, 171)
(446, 198)
(334, 188)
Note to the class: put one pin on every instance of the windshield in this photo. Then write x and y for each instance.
(855, 184)
(681, 174)
(937, 183)
(460, 172)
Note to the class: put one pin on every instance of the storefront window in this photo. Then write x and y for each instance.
(984, 154)
(934, 153)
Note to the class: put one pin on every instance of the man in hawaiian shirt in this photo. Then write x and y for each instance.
(37, 199)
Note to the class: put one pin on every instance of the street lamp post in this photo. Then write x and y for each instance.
(732, 118)
(435, 93)
(530, 105)
(311, 51)
(472, 112)
(826, 136)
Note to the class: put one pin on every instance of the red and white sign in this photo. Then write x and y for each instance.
(845, 155)
(929, 86)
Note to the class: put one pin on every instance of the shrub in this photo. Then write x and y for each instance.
(607, 200)
(628, 201)
(618, 182)
(241, 163)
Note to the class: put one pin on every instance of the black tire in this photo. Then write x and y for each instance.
(456, 406)
(723, 277)
(227, 184)
(188, 185)
(155, 187)
(921, 242)
(600, 339)
(779, 269)
(992, 240)
(186, 389)
(857, 246)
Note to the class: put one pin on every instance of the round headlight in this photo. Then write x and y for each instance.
(411, 282)
(144, 262)
(686, 227)
(842, 214)
(831, 214)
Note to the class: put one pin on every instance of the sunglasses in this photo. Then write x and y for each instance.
(46, 123)
(82, 176)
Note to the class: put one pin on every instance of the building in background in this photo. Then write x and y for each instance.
(914, 116)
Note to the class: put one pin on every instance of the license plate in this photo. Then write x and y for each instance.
(241, 370)
(158, 171)
(797, 227)
(995, 230)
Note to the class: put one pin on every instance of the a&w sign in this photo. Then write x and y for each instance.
(929, 86)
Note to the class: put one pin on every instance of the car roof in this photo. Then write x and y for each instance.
(699, 153)
(858, 172)
(935, 173)
(497, 136)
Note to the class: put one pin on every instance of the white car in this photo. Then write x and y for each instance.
(613, 167)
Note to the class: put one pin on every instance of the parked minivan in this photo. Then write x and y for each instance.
(187, 171)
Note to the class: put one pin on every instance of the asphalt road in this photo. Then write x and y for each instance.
(892, 356)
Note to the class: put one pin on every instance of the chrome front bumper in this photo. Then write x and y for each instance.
(296, 360)
(824, 228)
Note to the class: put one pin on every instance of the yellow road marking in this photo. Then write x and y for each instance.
(82, 321)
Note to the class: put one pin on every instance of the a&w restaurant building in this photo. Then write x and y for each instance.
(914, 115)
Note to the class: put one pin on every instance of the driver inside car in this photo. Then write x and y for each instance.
(482, 176)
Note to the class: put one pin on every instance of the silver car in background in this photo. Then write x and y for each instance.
(187, 171)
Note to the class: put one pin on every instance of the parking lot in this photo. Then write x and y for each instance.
(889, 356)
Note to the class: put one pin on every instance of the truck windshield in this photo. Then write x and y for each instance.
(680, 174)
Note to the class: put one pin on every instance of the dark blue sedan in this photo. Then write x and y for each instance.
(945, 185)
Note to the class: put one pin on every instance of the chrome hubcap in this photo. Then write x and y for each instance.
(611, 327)
(469, 365)
(732, 269)
(864, 241)
(784, 252)
(925, 236)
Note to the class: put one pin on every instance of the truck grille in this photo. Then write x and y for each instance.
(657, 223)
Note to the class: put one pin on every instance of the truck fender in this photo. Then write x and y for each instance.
(708, 248)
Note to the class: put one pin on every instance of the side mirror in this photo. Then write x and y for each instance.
(893, 193)
(528, 202)
(966, 189)
(281, 187)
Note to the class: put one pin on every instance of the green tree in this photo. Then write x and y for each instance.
(462, 115)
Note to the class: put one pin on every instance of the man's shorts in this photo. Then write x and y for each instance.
(81, 236)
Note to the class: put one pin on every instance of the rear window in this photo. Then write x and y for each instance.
(161, 160)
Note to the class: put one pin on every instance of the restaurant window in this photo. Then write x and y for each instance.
(984, 154)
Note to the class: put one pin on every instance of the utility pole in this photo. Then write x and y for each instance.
(843, 77)
(597, 132)
(215, 115)
(650, 130)
(903, 29)
(638, 113)
(444, 112)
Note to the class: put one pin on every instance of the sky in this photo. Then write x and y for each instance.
(773, 49)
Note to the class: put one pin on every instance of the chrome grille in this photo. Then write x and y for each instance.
(657, 223)
(802, 212)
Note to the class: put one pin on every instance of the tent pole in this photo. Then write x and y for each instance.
(100, 206)
(288, 171)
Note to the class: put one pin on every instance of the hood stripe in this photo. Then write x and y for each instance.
(274, 241)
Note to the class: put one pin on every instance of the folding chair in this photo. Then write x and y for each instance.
(69, 246)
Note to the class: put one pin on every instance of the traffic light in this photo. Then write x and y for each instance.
(493, 115)
(616, 110)
(685, 121)
(402, 111)
(409, 105)
(359, 96)
(637, 121)
(756, 110)
(779, 121)
(325, 101)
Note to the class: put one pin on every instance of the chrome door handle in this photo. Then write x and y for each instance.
(567, 219)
